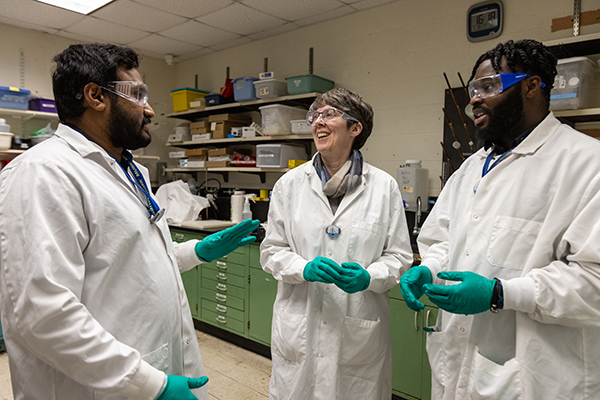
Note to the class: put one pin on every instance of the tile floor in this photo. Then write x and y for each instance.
(234, 373)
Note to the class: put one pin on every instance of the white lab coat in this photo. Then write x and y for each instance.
(327, 344)
(93, 306)
(534, 222)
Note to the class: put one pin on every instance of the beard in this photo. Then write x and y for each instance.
(126, 131)
(504, 118)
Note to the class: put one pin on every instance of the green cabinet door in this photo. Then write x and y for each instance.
(407, 350)
(263, 290)
(190, 284)
(429, 320)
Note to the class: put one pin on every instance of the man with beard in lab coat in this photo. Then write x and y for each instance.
(511, 250)
(93, 306)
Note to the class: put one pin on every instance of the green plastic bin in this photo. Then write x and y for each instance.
(308, 83)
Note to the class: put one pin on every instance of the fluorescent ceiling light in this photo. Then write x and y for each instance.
(79, 6)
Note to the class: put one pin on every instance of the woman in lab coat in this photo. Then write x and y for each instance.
(336, 241)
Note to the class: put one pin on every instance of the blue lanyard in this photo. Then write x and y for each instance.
(154, 210)
(486, 165)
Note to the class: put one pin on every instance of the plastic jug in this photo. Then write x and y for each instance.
(237, 204)
(414, 184)
(4, 127)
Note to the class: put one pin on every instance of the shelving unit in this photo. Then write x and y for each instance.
(26, 115)
(303, 100)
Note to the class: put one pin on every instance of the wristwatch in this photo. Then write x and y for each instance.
(497, 297)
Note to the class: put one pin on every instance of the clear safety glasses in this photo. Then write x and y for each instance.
(327, 115)
(493, 85)
(130, 90)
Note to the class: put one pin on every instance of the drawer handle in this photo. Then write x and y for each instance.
(221, 319)
(222, 266)
(179, 236)
(221, 276)
(221, 308)
(416, 326)
(221, 297)
(221, 287)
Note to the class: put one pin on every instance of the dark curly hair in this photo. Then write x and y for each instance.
(352, 104)
(81, 64)
(527, 56)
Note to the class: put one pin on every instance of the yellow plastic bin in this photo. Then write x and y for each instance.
(182, 97)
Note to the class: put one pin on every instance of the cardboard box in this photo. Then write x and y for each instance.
(177, 154)
(230, 117)
(199, 131)
(199, 124)
(248, 131)
(196, 164)
(218, 164)
(220, 152)
(196, 152)
(221, 129)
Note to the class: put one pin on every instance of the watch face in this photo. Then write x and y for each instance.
(484, 21)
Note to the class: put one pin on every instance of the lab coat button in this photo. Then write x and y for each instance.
(326, 287)
(475, 216)
(330, 254)
(324, 322)
(188, 342)
(467, 254)
(321, 355)
(462, 329)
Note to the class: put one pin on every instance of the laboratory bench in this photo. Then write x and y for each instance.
(232, 298)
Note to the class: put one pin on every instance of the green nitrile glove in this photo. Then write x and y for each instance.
(411, 286)
(354, 278)
(472, 296)
(222, 243)
(322, 269)
(178, 387)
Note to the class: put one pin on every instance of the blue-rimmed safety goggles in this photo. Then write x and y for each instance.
(492, 85)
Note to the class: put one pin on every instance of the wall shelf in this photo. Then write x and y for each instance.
(580, 115)
(230, 141)
(26, 115)
(304, 100)
(575, 46)
(224, 171)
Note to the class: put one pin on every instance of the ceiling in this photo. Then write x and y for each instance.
(185, 29)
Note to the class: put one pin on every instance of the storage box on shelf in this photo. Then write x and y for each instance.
(278, 155)
(276, 118)
(308, 83)
(243, 88)
(267, 88)
(42, 104)
(182, 97)
(14, 98)
(573, 84)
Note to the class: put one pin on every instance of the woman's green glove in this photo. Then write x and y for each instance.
(222, 243)
(321, 269)
(354, 278)
(411, 286)
(472, 296)
(178, 387)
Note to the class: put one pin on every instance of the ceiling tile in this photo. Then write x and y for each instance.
(273, 32)
(234, 43)
(105, 31)
(187, 8)
(326, 16)
(77, 38)
(27, 25)
(199, 34)
(163, 45)
(241, 19)
(366, 4)
(195, 54)
(135, 15)
(38, 13)
(293, 10)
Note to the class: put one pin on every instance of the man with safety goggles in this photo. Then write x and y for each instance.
(510, 250)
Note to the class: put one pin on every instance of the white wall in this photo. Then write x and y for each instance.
(395, 57)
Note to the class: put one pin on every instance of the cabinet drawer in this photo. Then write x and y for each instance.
(228, 267)
(222, 309)
(255, 255)
(222, 298)
(235, 257)
(222, 321)
(224, 288)
(224, 277)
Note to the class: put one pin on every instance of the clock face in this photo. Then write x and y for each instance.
(484, 21)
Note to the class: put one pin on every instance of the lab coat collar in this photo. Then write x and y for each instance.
(316, 185)
(78, 141)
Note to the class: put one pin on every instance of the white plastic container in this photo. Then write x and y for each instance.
(4, 127)
(278, 155)
(5, 140)
(414, 183)
(573, 84)
(276, 118)
(266, 88)
(300, 126)
(237, 205)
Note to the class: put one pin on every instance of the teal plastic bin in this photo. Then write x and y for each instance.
(308, 83)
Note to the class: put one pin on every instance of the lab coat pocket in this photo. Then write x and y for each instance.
(435, 354)
(289, 336)
(489, 379)
(511, 242)
(158, 358)
(360, 341)
(366, 242)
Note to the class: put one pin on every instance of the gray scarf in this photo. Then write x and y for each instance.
(342, 182)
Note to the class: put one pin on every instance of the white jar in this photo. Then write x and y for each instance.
(4, 127)
(237, 206)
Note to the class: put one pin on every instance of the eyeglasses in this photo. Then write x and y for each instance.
(130, 90)
(327, 115)
(493, 85)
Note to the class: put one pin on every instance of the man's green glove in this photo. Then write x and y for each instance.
(353, 278)
(222, 243)
(322, 269)
(178, 387)
(411, 286)
(472, 296)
